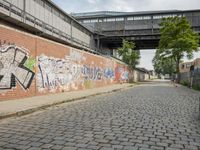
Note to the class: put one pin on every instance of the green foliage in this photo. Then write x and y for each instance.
(129, 55)
(30, 63)
(196, 87)
(163, 65)
(185, 83)
(177, 39)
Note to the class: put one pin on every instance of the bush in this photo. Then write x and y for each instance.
(196, 87)
(185, 83)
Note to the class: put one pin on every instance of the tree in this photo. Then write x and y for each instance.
(177, 39)
(129, 55)
(164, 65)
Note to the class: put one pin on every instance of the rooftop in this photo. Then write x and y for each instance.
(116, 13)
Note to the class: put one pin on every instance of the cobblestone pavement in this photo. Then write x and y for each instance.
(153, 116)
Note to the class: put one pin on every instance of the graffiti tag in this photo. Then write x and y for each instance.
(12, 60)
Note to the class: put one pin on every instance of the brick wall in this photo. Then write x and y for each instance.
(31, 65)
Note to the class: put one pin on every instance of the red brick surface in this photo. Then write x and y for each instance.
(38, 46)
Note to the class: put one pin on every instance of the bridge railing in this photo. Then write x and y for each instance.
(7, 9)
(150, 25)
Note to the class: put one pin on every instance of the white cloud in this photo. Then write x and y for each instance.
(125, 5)
(92, 1)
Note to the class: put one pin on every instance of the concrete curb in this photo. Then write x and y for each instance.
(32, 110)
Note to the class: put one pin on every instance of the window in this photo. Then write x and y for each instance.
(146, 17)
(104, 20)
(110, 19)
(166, 16)
(93, 20)
(48, 7)
(86, 21)
(130, 18)
(138, 18)
(55, 12)
(188, 65)
(119, 19)
(62, 17)
(40, 2)
(157, 17)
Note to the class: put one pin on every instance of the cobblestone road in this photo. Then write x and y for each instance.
(152, 116)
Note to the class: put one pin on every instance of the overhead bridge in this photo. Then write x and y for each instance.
(44, 18)
(95, 32)
(141, 27)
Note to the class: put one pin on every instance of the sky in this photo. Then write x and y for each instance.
(77, 6)
(125, 5)
(147, 56)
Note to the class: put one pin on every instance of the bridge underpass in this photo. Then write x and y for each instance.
(147, 42)
(141, 27)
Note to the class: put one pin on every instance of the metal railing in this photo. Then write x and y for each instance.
(28, 19)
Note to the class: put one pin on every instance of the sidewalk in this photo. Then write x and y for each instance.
(28, 105)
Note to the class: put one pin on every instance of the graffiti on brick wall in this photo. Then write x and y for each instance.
(57, 74)
(12, 68)
(72, 72)
(92, 73)
(109, 73)
(121, 74)
(76, 56)
(30, 63)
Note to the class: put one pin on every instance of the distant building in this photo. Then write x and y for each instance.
(185, 66)
(190, 73)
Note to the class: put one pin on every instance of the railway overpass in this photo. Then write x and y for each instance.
(96, 32)
(141, 27)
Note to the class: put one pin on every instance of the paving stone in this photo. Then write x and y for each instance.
(47, 146)
(106, 148)
(81, 145)
(157, 147)
(155, 139)
(154, 116)
(58, 142)
(145, 149)
(35, 144)
(149, 143)
(69, 148)
(169, 148)
(162, 144)
(143, 138)
(34, 148)
(117, 146)
(131, 148)
(195, 144)
(177, 146)
(142, 145)
(2, 143)
(126, 143)
(190, 147)
(93, 147)
(101, 140)
(22, 147)
(168, 141)
(57, 147)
